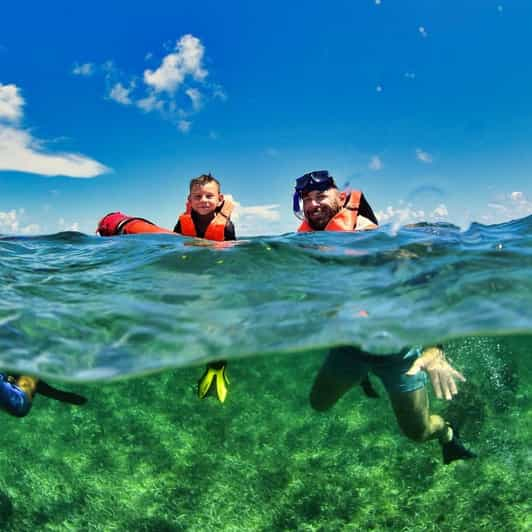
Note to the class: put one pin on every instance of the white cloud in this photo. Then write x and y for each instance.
(378, 88)
(262, 212)
(150, 103)
(400, 215)
(440, 211)
(20, 152)
(410, 75)
(176, 90)
(184, 126)
(423, 156)
(254, 219)
(120, 94)
(375, 163)
(186, 60)
(195, 97)
(219, 93)
(64, 226)
(30, 229)
(86, 69)
(405, 213)
(423, 32)
(10, 223)
(11, 103)
(509, 206)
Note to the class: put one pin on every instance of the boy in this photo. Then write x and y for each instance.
(207, 216)
(207, 213)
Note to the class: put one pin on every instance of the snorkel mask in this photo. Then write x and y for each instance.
(319, 180)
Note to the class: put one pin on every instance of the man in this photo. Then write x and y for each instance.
(404, 375)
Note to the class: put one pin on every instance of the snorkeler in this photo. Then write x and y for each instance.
(17, 393)
(323, 207)
(208, 216)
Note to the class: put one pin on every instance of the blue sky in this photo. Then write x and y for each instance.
(424, 105)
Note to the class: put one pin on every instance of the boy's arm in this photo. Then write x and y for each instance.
(229, 231)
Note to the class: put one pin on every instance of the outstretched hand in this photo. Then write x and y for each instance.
(441, 373)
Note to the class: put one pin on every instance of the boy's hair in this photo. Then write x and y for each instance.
(203, 180)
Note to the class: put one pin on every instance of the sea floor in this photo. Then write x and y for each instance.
(146, 454)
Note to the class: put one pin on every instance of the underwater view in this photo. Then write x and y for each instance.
(266, 266)
(94, 316)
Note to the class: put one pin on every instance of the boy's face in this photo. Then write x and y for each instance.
(205, 198)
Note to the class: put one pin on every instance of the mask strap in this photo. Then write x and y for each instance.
(296, 205)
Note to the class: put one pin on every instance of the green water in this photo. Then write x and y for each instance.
(147, 454)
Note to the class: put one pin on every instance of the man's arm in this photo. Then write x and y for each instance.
(441, 373)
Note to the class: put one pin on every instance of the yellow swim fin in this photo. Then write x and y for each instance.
(214, 379)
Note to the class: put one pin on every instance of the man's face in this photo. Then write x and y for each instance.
(205, 198)
(319, 207)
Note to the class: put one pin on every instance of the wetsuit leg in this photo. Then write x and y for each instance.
(341, 371)
(12, 399)
(414, 418)
(409, 396)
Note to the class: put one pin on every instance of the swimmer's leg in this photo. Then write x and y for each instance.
(340, 372)
(414, 417)
(410, 402)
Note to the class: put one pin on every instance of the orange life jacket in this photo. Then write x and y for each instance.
(346, 219)
(215, 230)
(116, 223)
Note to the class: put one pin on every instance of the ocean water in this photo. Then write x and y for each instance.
(129, 321)
(84, 308)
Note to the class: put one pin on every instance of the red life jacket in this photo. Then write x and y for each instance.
(346, 218)
(116, 223)
(215, 230)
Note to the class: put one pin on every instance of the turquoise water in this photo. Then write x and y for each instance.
(85, 308)
(146, 454)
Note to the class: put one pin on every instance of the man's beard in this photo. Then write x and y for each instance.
(320, 222)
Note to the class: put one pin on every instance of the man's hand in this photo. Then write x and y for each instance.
(442, 374)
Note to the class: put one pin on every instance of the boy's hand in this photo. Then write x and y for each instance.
(442, 374)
